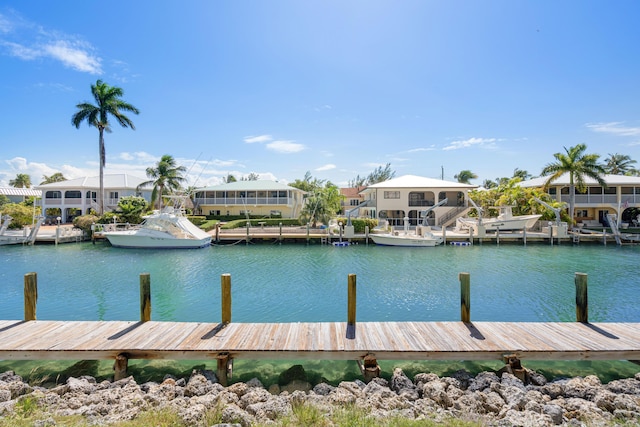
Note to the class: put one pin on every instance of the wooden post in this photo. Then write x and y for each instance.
(497, 235)
(145, 297)
(550, 234)
(120, 367)
(217, 232)
(225, 284)
(248, 224)
(223, 368)
(524, 236)
(280, 238)
(307, 233)
(351, 300)
(582, 303)
(465, 297)
(444, 235)
(30, 295)
(366, 235)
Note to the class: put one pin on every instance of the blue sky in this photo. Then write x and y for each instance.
(336, 88)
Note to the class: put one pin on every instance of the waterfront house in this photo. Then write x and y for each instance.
(621, 197)
(410, 195)
(250, 198)
(74, 197)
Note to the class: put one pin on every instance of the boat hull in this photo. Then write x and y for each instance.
(405, 240)
(135, 239)
(512, 224)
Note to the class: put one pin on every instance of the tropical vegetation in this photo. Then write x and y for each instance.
(579, 166)
(380, 174)
(108, 103)
(323, 199)
(56, 177)
(22, 180)
(465, 176)
(620, 164)
(166, 178)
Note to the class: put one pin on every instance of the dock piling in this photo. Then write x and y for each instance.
(351, 301)
(30, 295)
(145, 297)
(582, 301)
(225, 284)
(465, 297)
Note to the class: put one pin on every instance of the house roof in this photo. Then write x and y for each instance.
(258, 185)
(351, 192)
(413, 181)
(121, 180)
(13, 191)
(564, 180)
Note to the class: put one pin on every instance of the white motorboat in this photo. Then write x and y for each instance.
(505, 221)
(169, 229)
(422, 237)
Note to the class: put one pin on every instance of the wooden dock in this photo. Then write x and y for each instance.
(32, 339)
(94, 340)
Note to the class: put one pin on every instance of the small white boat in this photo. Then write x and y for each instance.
(423, 237)
(505, 221)
(169, 229)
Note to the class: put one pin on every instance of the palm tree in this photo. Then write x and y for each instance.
(56, 177)
(108, 103)
(619, 164)
(465, 176)
(22, 180)
(579, 166)
(166, 176)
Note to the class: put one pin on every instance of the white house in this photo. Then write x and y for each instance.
(410, 195)
(74, 197)
(592, 205)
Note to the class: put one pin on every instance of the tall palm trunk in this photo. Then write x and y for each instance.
(102, 161)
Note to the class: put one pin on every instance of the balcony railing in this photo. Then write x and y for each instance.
(599, 198)
(244, 201)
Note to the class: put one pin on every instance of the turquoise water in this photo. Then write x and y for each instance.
(299, 283)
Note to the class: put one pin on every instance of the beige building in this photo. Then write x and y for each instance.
(255, 198)
(409, 196)
(620, 197)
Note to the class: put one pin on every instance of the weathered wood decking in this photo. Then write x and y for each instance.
(93, 340)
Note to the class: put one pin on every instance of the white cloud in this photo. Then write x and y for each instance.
(418, 150)
(326, 167)
(28, 41)
(75, 57)
(479, 142)
(261, 138)
(614, 128)
(285, 147)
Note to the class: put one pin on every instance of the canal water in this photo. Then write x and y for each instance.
(300, 283)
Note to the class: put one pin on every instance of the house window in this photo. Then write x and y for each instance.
(214, 212)
(53, 195)
(72, 194)
(391, 194)
(354, 202)
(113, 194)
(92, 195)
(581, 213)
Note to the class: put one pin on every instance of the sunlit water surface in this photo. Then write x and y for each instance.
(300, 283)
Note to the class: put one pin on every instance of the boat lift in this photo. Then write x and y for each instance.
(560, 227)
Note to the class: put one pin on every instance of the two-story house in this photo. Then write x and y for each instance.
(594, 203)
(409, 196)
(74, 197)
(254, 198)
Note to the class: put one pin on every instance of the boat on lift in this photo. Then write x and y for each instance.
(166, 229)
(421, 237)
(505, 221)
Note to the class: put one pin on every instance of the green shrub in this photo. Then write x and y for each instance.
(268, 222)
(22, 215)
(359, 224)
(84, 222)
